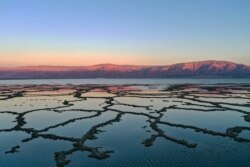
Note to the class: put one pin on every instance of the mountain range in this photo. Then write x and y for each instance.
(200, 69)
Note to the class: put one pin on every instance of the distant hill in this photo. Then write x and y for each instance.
(200, 69)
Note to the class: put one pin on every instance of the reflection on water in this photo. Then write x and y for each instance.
(125, 125)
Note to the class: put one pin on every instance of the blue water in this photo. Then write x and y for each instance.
(122, 81)
(46, 113)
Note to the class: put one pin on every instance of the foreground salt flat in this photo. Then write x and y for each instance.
(125, 125)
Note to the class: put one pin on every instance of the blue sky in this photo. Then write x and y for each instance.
(83, 32)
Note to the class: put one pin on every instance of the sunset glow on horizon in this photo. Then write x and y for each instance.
(135, 32)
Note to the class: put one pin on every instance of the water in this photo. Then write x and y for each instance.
(156, 123)
(122, 81)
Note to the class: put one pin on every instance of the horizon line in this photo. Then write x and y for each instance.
(99, 64)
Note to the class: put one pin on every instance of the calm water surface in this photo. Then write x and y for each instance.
(122, 81)
(110, 122)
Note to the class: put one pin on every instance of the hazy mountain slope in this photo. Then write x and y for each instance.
(201, 69)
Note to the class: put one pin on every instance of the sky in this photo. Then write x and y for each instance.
(136, 32)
